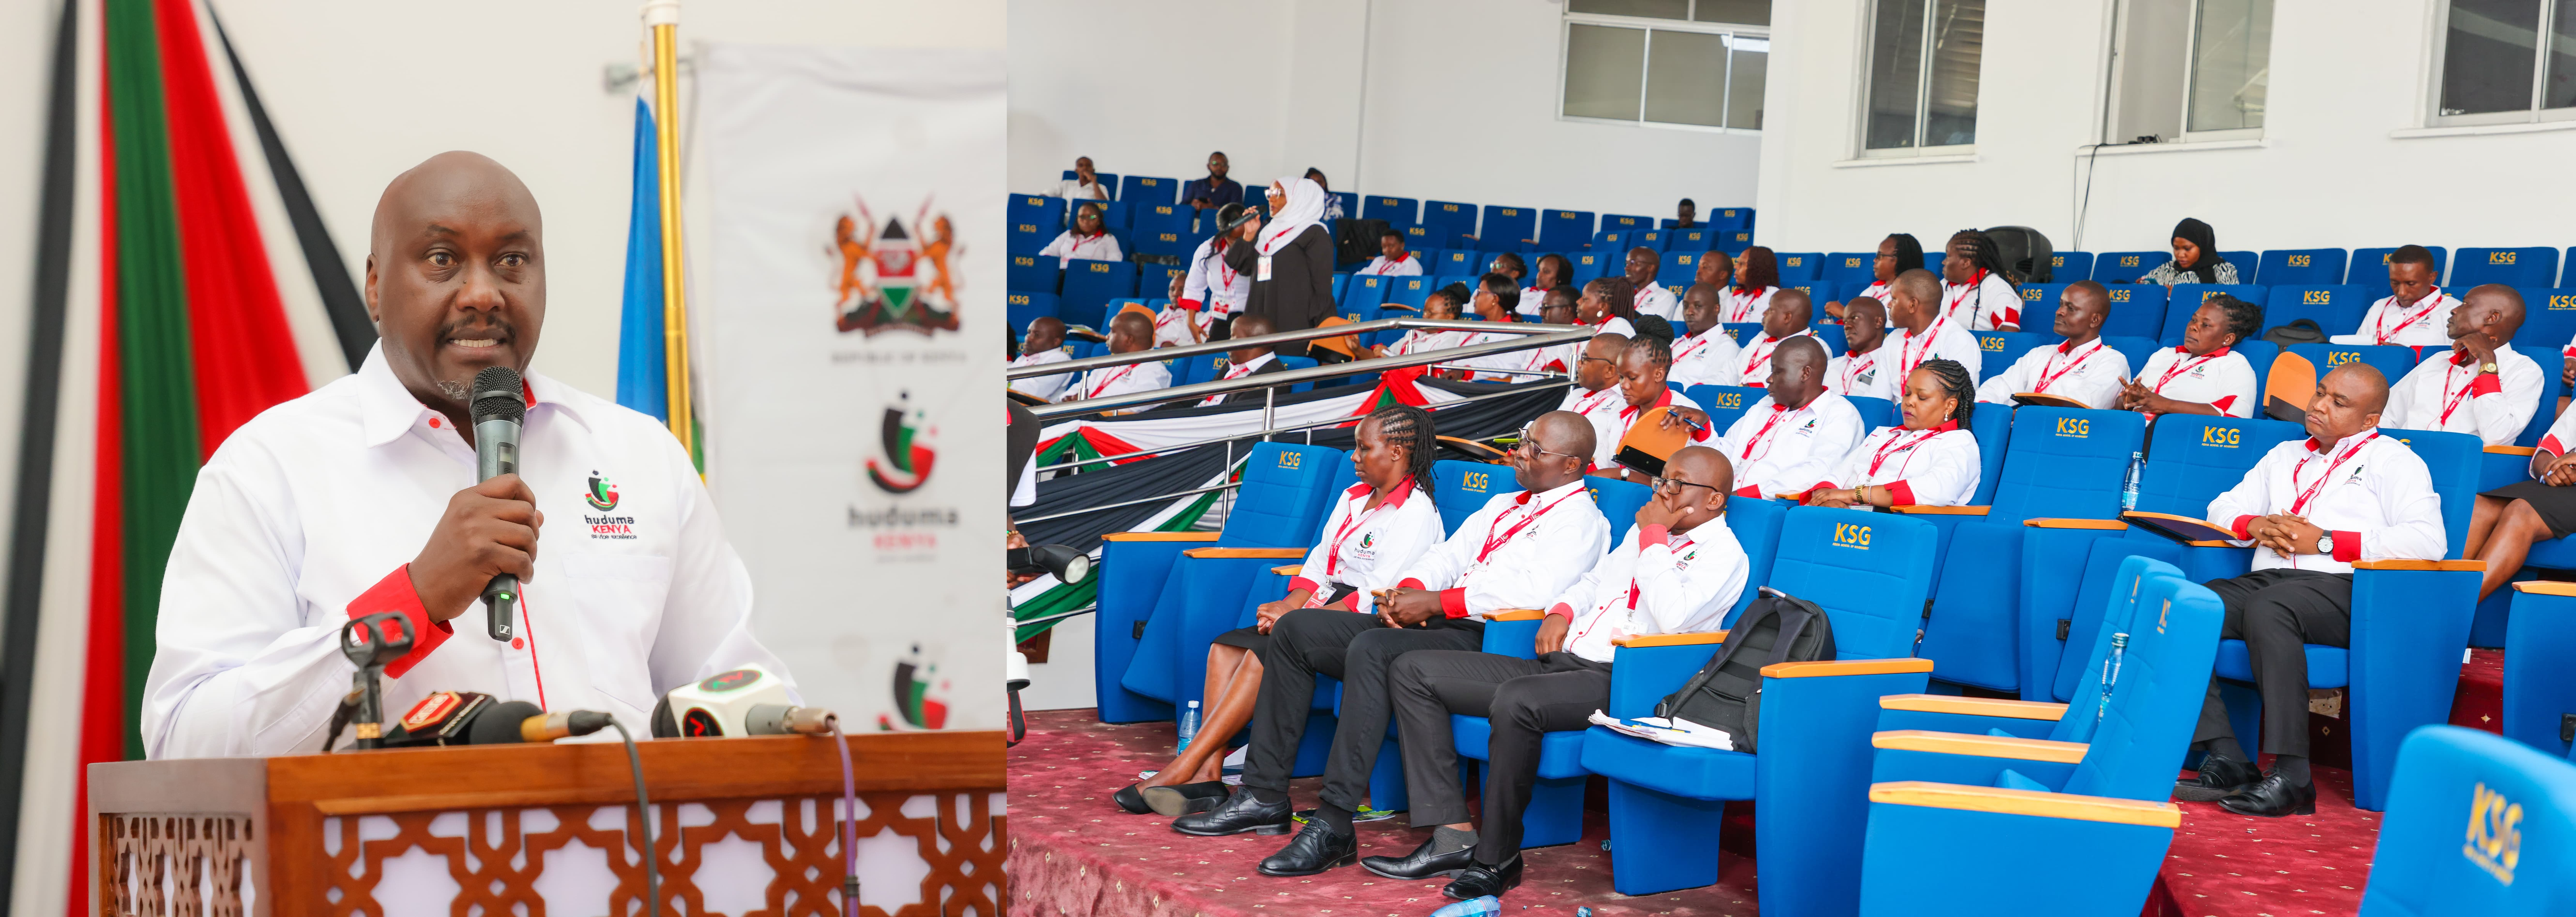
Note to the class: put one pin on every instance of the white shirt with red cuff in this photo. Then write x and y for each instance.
(1044, 388)
(2369, 491)
(1508, 366)
(1628, 415)
(1737, 305)
(1420, 341)
(1985, 303)
(1068, 246)
(1520, 551)
(1707, 358)
(2090, 372)
(1219, 291)
(1602, 409)
(2561, 436)
(1236, 371)
(1877, 290)
(2222, 379)
(1173, 322)
(1656, 581)
(1869, 374)
(1658, 300)
(1612, 324)
(1528, 307)
(1779, 451)
(2447, 394)
(2426, 322)
(1936, 467)
(1945, 339)
(1364, 549)
(1405, 265)
(309, 516)
(1753, 362)
(1121, 380)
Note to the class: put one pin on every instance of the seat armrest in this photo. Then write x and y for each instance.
(2545, 587)
(2478, 566)
(1916, 509)
(1516, 614)
(1974, 706)
(1646, 640)
(2027, 802)
(2525, 451)
(1263, 553)
(2113, 525)
(1288, 569)
(1834, 667)
(1162, 536)
(1959, 743)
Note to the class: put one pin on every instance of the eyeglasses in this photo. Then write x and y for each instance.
(1660, 484)
(1528, 445)
(1596, 360)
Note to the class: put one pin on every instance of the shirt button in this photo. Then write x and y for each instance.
(517, 643)
(433, 423)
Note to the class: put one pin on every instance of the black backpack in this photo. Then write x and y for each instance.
(1727, 692)
(1357, 240)
(2298, 331)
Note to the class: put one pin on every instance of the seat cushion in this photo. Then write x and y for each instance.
(1560, 754)
(2328, 666)
(1698, 773)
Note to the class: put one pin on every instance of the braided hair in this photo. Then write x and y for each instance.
(1410, 427)
(1983, 253)
(1659, 350)
(1619, 294)
(1909, 252)
(2243, 318)
(1957, 383)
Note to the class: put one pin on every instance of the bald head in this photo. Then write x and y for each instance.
(456, 277)
(2348, 401)
(1130, 332)
(2492, 309)
(1790, 310)
(1694, 505)
(1797, 371)
(1909, 295)
(1565, 444)
(1046, 333)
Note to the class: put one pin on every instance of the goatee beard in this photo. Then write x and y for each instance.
(454, 390)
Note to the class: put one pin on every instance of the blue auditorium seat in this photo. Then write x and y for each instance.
(2520, 854)
(1138, 189)
(1046, 212)
(1742, 331)
(1932, 261)
(2258, 354)
(1618, 500)
(1090, 285)
(1461, 488)
(1113, 214)
(2298, 267)
(1731, 241)
(1830, 335)
(1756, 524)
(2392, 361)
(2245, 263)
(1867, 571)
(2039, 309)
(2102, 602)
(1724, 403)
(1298, 363)
(2000, 348)
(1730, 218)
(2137, 310)
(1590, 265)
(1800, 266)
(1156, 279)
(1363, 293)
(2548, 319)
(1350, 201)
(1506, 224)
(1028, 307)
(2539, 685)
(1621, 221)
(1875, 412)
(1106, 180)
(1422, 240)
(2336, 308)
(1408, 291)
(2186, 298)
(2069, 267)
(1450, 261)
(1655, 239)
(1681, 267)
(2137, 349)
(1170, 243)
(1850, 267)
(1611, 240)
(1451, 218)
(2516, 267)
(2127, 267)
(1467, 277)
(1690, 240)
(2370, 266)
(1558, 229)
(1026, 239)
(1397, 210)
(1031, 273)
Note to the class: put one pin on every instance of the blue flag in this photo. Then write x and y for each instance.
(642, 368)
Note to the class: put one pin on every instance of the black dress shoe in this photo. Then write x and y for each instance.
(1316, 849)
(1130, 799)
(1239, 813)
(1187, 798)
(1422, 863)
(1480, 880)
(2273, 797)
(2220, 777)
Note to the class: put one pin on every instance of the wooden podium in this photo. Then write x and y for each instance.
(743, 825)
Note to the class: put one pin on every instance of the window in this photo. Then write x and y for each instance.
(1922, 81)
(1697, 63)
(2190, 70)
(2496, 67)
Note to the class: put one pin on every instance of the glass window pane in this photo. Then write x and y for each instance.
(1895, 72)
(1603, 66)
(1958, 45)
(2231, 64)
(1686, 78)
(2560, 90)
(2488, 56)
(1747, 12)
(1654, 9)
(1744, 82)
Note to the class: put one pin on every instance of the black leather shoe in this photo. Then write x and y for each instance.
(2220, 777)
(1480, 880)
(1316, 849)
(1187, 798)
(2273, 797)
(1131, 800)
(1422, 863)
(1238, 814)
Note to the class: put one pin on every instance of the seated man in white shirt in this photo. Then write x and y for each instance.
(1925, 331)
(1865, 367)
(1651, 297)
(359, 499)
(2083, 368)
(2416, 311)
(2205, 375)
(1705, 354)
(2482, 387)
(1596, 395)
(1392, 259)
(2311, 508)
(1044, 344)
(1557, 308)
(1129, 332)
(1785, 317)
(1521, 550)
(1787, 443)
(1678, 570)
(1085, 185)
(1976, 291)
(1088, 239)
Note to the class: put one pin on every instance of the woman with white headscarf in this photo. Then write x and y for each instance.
(1290, 260)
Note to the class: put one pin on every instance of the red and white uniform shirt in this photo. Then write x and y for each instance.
(1944, 340)
(1121, 380)
(1753, 362)
(1601, 409)
(1858, 375)
(1521, 551)
(2445, 393)
(1173, 323)
(2426, 322)
(1707, 358)
(1420, 341)
(1736, 305)
(1364, 549)
(2221, 378)
(1658, 300)
(1877, 290)
(1628, 414)
(1212, 287)
(2369, 492)
(1935, 467)
(2090, 372)
(1779, 451)
(1656, 581)
(1043, 388)
(1985, 303)
(1069, 245)
(1405, 265)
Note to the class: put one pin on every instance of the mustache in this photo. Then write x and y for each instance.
(487, 327)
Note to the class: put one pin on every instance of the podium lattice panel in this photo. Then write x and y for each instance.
(175, 865)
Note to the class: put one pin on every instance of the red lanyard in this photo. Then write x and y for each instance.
(1594, 400)
(1740, 307)
(2457, 398)
(1493, 541)
(1113, 379)
(2046, 377)
(1633, 589)
(1765, 357)
(1851, 367)
(2182, 365)
(1351, 524)
(1909, 359)
(1777, 412)
(1898, 443)
(2433, 296)
(1976, 284)
(2301, 503)
(1696, 343)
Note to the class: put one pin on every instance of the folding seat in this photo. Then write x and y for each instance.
(1138, 189)
(1851, 267)
(2519, 267)
(1341, 284)
(1164, 595)
(1364, 293)
(1875, 412)
(1506, 224)
(1831, 335)
(2127, 267)
(1868, 572)
(1028, 307)
(1458, 261)
(2000, 348)
(1154, 218)
(1027, 238)
(2370, 266)
(1742, 331)
(1090, 285)
(1157, 278)
(1679, 268)
(1564, 228)
(2244, 261)
(1648, 238)
(2069, 267)
(2185, 299)
(1731, 241)
(1800, 266)
(1046, 212)
(1451, 218)
(1695, 239)
(1106, 181)
(2548, 319)
(1422, 239)
(1462, 275)
(1611, 240)
(1942, 804)
(1397, 210)
(1724, 403)
(2297, 267)
(1589, 266)
(2137, 310)
(1031, 273)
(1408, 291)
(1167, 243)
(1624, 222)
(1350, 201)
(2391, 360)
(2520, 854)
(1724, 218)
(2039, 309)
(2336, 308)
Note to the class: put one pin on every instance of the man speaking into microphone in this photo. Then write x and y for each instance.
(362, 497)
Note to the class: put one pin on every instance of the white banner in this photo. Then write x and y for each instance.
(854, 415)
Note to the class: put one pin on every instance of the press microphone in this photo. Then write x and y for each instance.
(498, 404)
(472, 718)
(748, 701)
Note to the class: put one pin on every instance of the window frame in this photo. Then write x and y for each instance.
(2191, 87)
(2437, 57)
(1646, 62)
(1868, 57)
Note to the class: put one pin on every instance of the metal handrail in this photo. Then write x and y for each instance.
(1267, 429)
(1533, 336)
(1222, 345)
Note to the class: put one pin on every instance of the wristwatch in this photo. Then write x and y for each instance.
(2487, 369)
(2325, 543)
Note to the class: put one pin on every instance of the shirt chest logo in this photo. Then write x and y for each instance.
(601, 494)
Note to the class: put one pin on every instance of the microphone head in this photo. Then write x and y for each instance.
(498, 395)
(499, 723)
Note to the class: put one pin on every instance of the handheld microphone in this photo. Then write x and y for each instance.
(498, 404)
(1249, 215)
(470, 718)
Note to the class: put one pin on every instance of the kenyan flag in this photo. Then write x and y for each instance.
(185, 283)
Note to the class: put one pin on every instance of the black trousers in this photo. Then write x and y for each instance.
(1357, 649)
(1524, 698)
(2275, 612)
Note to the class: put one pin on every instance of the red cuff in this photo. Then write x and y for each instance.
(1701, 434)
(1749, 490)
(1190, 304)
(2239, 527)
(1652, 534)
(1900, 493)
(2485, 384)
(1412, 582)
(1299, 582)
(394, 593)
(2347, 546)
(2551, 445)
(2223, 403)
(1562, 610)
(1453, 602)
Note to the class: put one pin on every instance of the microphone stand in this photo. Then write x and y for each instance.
(372, 642)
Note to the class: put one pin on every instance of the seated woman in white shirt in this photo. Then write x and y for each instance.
(1976, 289)
(1442, 305)
(1392, 259)
(1897, 254)
(2203, 376)
(1085, 185)
(1377, 529)
(1087, 240)
(1553, 271)
(1607, 304)
(1757, 277)
(2508, 520)
(1930, 461)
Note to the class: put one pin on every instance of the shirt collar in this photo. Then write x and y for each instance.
(389, 409)
(1561, 490)
(2461, 357)
(2364, 435)
(2068, 346)
(1255, 363)
(1947, 426)
(1394, 497)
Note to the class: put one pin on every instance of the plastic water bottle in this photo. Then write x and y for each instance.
(2129, 482)
(1473, 908)
(2111, 673)
(1189, 726)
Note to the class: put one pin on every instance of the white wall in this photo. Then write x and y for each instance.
(1145, 87)
(2345, 76)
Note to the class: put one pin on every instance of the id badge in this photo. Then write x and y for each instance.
(1263, 272)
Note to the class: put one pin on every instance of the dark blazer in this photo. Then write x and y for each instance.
(1253, 395)
(1299, 292)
